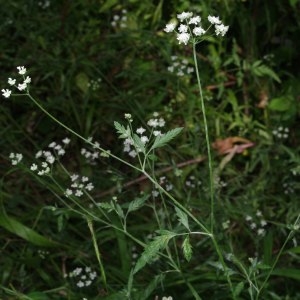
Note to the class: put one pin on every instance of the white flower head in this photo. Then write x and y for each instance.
(22, 70)
(170, 27)
(27, 80)
(221, 29)
(22, 86)
(140, 130)
(214, 20)
(183, 38)
(184, 15)
(198, 31)
(195, 20)
(11, 81)
(6, 93)
(183, 28)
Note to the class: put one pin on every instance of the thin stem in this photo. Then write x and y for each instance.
(79, 136)
(295, 225)
(211, 180)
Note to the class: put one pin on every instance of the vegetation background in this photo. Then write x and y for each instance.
(88, 71)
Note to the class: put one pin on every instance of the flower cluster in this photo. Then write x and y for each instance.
(191, 27)
(55, 150)
(192, 182)
(94, 84)
(281, 132)
(288, 188)
(79, 185)
(91, 155)
(154, 123)
(84, 277)
(180, 68)
(13, 82)
(120, 20)
(15, 158)
(163, 181)
(258, 223)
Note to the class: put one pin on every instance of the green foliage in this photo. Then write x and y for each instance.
(142, 236)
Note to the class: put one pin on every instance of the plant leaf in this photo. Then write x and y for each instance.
(151, 250)
(137, 203)
(162, 140)
(187, 248)
(182, 218)
(123, 132)
(25, 232)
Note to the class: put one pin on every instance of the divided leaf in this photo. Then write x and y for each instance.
(122, 131)
(137, 203)
(162, 140)
(187, 248)
(152, 249)
(182, 218)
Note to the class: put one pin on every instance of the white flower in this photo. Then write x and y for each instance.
(80, 284)
(132, 153)
(195, 20)
(66, 141)
(157, 133)
(140, 130)
(183, 38)
(52, 145)
(74, 177)
(214, 20)
(183, 28)
(170, 27)
(144, 139)
(184, 16)
(33, 167)
(11, 81)
(153, 123)
(198, 31)
(6, 93)
(78, 193)
(89, 186)
(68, 192)
(22, 70)
(22, 86)
(161, 122)
(221, 29)
(84, 179)
(27, 80)
(39, 154)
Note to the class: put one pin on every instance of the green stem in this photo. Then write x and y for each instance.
(211, 180)
(295, 225)
(79, 136)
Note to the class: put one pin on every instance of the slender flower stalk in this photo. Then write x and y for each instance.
(191, 31)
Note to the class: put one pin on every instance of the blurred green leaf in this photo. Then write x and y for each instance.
(24, 232)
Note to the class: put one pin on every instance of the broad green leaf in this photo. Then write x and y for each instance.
(280, 104)
(137, 203)
(25, 232)
(187, 248)
(82, 82)
(182, 218)
(161, 141)
(152, 249)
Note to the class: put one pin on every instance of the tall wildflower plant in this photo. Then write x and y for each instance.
(191, 31)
